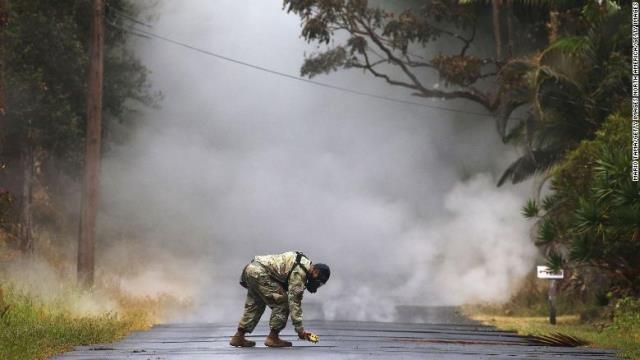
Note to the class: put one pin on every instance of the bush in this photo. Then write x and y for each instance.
(626, 315)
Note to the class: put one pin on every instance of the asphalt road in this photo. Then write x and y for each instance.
(447, 336)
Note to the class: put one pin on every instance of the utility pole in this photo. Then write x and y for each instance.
(90, 183)
(497, 32)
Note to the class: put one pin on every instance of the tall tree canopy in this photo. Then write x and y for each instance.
(573, 55)
(45, 59)
(567, 89)
(377, 38)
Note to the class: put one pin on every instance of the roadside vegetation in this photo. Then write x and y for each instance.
(34, 326)
(615, 326)
(32, 329)
(44, 47)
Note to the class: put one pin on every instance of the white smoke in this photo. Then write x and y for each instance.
(237, 162)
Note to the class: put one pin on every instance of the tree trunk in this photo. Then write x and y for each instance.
(495, 6)
(4, 21)
(510, 33)
(26, 216)
(89, 207)
(553, 25)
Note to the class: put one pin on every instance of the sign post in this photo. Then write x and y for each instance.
(545, 273)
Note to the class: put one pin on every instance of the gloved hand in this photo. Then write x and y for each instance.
(313, 337)
(308, 336)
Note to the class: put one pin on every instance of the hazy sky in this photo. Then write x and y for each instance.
(399, 200)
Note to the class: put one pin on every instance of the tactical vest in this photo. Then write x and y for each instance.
(285, 285)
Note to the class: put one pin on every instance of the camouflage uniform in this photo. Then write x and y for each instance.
(265, 277)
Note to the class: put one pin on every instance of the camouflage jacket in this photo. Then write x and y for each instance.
(279, 266)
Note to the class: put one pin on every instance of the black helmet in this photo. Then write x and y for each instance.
(324, 272)
(323, 275)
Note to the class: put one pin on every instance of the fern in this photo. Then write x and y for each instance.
(580, 46)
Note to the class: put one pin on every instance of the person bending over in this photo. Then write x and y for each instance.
(277, 281)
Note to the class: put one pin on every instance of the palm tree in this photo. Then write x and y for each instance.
(568, 89)
(591, 219)
(607, 224)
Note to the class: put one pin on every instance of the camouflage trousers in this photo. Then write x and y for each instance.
(263, 291)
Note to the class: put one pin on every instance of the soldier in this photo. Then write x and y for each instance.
(277, 281)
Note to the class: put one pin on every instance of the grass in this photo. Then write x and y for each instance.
(623, 332)
(43, 313)
(34, 329)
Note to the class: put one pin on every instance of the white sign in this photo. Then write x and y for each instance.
(545, 273)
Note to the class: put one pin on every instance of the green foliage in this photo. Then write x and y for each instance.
(547, 233)
(626, 320)
(555, 261)
(589, 217)
(582, 249)
(46, 46)
(530, 210)
(568, 89)
(549, 203)
(573, 46)
(627, 341)
(595, 214)
(627, 314)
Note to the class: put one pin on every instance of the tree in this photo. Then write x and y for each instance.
(4, 21)
(591, 218)
(46, 57)
(90, 181)
(378, 38)
(549, 78)
(567, 90)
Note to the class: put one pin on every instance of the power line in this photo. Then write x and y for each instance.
(126, 16)
(147, 34)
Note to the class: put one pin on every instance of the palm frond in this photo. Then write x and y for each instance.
(550, 202)
(558, 339)
(589, 217)
(555, 260)
(530, 210)
(579, 46)
(515, 134)
(626, 218)
(582, 249)
(547, 233)
(627, 194)
(527, 165)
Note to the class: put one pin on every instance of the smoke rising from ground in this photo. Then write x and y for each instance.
(399, 200)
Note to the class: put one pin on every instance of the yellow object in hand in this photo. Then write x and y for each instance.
(313, 338)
